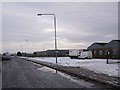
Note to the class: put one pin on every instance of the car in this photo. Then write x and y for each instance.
(6, 56)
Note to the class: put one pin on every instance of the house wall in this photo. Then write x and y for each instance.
(101, 51)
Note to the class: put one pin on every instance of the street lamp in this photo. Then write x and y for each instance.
(55, 32)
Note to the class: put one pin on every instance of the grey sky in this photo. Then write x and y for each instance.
(78, 24)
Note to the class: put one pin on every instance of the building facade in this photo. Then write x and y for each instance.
(100, 50)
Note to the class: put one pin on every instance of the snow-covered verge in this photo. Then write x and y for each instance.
(96, 65)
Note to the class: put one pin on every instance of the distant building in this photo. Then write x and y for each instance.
(51, 53)
(60, 53)
(99, 50)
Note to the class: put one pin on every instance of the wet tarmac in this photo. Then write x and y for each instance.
(0, 76)
(81, 82)
(20, 73)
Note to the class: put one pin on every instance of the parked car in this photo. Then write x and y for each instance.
(6, 56)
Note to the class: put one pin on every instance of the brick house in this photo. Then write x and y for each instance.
(99, 50)
(114, 48)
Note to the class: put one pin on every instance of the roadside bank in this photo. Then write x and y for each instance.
(82, 73)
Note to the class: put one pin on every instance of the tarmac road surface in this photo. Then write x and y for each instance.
(0, 75)
(0, 72)
(18, 73)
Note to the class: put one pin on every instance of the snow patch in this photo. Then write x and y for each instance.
(96, 65)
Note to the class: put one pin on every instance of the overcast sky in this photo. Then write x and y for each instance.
(78, 25)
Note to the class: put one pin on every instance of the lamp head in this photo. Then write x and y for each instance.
(39, 14)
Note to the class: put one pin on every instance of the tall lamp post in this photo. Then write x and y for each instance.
(55, 32)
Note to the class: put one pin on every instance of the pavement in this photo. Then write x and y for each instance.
(83, 73)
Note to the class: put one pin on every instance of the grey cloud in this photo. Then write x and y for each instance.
(76, 22)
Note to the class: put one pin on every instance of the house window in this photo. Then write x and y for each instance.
(108, 52)
(114, 52)
(95, 52)
(100, 52)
